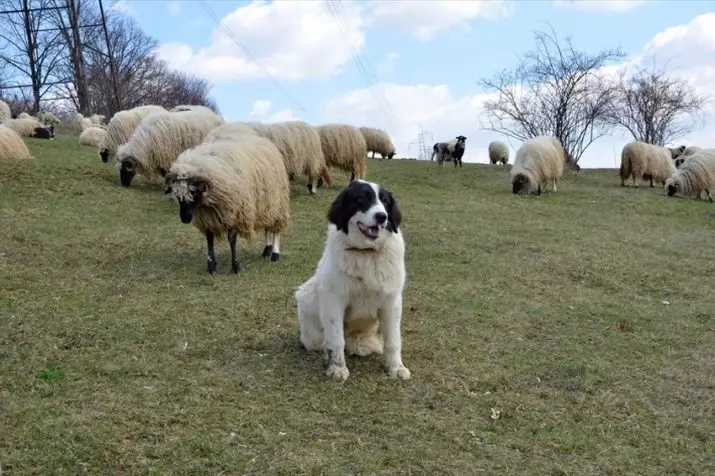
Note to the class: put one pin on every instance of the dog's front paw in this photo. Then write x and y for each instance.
(399, 373)
(338, 373)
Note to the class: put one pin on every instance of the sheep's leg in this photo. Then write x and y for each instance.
(268, 250)
(211, 256)
(291, 177)
(651, 181)
(710, 199)
(312, 184)
(235, 263)
(554, 185)
(276, 247)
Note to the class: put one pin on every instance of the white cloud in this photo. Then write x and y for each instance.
(440, 114)
(292, 40)
(388, 63)
(688, 50)
(619, 6)
(261, 108)
(425, 20)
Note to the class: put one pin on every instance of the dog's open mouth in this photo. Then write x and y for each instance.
(370, 232)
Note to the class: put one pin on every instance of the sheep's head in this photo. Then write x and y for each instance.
(189, 192)
(128, 168)
(461, 140)
(671, 187)
(520, 184)
(391, 154)
(104, 155)
(677, 151)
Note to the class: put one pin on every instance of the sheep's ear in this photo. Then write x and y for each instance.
(200, 184)
(168, 182)
(162, 171)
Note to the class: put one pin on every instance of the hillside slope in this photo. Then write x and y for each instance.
(566, 334)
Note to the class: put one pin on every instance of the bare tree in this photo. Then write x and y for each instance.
(555, 90)
(29, 46)
(655, 106)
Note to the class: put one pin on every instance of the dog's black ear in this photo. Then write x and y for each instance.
(342, 209)
(394, 215)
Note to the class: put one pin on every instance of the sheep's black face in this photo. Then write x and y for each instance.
(672, 189)
(390, 155)
(191, 198)
(104, 155)
(186, 211)
(127, 172)
(520, 184)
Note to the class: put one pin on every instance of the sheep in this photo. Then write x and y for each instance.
(189, 107)
(5, 112)
(648, 161)
(92, 136)
(24, 115)
(46, 117)
(230, 131)
(97, 119)
(159, 140)
(345, 148)
(24, 127)
(378, 141)
(121, 127)
(11, 145)
(498, 152)
(233, 187)
(696, 175)
(538, 161)
(691, 150)
(450, 150)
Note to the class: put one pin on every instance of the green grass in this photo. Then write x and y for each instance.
(583, 317)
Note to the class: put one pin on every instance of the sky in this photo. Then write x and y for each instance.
(412, 68)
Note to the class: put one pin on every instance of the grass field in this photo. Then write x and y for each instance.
(572, 333)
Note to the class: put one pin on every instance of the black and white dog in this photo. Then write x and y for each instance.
(353, 302)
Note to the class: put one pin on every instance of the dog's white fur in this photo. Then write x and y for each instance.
(353, 302)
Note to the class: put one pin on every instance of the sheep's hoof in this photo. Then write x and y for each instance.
(235, 267)
(212, 267)
(310, 188)
(275, 257)
(267, 251)
(320, 182)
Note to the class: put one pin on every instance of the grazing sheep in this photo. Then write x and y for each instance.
(85, 123)
(121, 127)
(648, 161)
(538, 161)
(44, 132)
(24, 127)
(159, 140)
(696, 175)
(498, 152)
(5, 113)
(189, 107)
(97, 119)
(233, 187)
(46, 117)
(378, 141)
(11, 145)
(92, 136)
(450, 150)
(24, 115)
(344, 147)
(691, 150)
(230, 131)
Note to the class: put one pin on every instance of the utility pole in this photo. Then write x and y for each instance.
(424, 142)
(117, 104)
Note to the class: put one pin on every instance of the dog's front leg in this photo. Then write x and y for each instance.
(332, 310)
(390, 320)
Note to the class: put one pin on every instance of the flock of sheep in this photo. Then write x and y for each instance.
(229, 178)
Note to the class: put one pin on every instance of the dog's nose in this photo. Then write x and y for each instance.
(380, 218)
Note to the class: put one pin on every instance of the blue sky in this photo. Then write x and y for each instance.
(425, 57)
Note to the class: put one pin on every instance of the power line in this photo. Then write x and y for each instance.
(248, 53)
(363, 65)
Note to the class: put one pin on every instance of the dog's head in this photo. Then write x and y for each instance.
(366, 212)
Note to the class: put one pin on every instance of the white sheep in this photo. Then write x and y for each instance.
(11, 145)
(24, 127)
(233, 187)
(230, 131)
(92, 136)
(378, 141)
(97, 119)
(538, 161)
(344, 148)
(24, 115)
(46, 117)
(121, 127)
(159, 140)
(640, 160)
(189, 107)
(5, 112)
(498, 152)
(695, 176)
(691, 150)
